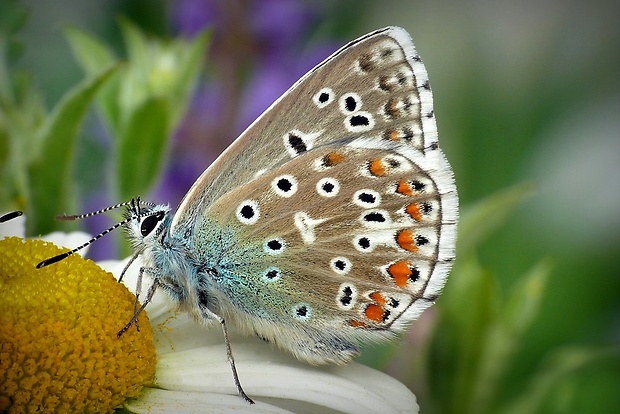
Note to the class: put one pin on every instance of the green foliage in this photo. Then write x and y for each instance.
(141, 147)
(37, 148)
(140, 100)
(49, 172)
(143, 105)
(559, 372)
(479, 221)
(479, 329)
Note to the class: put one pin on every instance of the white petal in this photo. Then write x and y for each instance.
(154, 401)
(160, 306)
(68, 240)
(275, 377)
(179, 332)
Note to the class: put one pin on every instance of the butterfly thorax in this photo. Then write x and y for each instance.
(165, 256)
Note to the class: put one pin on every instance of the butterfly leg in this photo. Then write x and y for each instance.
(147, 300)
(136, 303)
(231, 360)
(133, 258)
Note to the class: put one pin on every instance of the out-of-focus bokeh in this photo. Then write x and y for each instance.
(526, 94)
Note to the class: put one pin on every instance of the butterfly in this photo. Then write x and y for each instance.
(331, 221)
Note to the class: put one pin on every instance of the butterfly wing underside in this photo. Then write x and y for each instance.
(342, 202)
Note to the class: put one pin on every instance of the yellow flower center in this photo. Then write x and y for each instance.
(59, 349)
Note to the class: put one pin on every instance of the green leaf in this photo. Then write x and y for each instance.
(503, 336)
(560, 364)
(523, 303)
(50, 178)
(142, 148)
(467, 307)
(161, 68)
(91, 53)
(136, 42)
(22, 114)
(155, 89)
(94, 55)
(192, 58)
(135, 82)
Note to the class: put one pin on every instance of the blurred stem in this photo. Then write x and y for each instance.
(504, 334)
(480, 220)
(562, 364)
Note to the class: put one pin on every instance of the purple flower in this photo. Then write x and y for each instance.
(257, 53)
(272, 78)
(192, 16)
(106, 247)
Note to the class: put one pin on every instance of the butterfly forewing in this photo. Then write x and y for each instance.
(375, 86)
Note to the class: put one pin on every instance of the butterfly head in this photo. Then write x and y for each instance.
(145, 223)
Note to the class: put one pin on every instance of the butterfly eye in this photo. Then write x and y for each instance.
(149, 223)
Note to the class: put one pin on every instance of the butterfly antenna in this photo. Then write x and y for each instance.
(64, 255)
(136, 201)
(10, 216)
(135, 208)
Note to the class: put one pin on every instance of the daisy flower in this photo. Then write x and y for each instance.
(55, 317)
(59, 351)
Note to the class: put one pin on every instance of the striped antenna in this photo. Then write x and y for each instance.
(64, 255)
(135, 204)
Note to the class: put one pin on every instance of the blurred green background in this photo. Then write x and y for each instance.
(526, 93)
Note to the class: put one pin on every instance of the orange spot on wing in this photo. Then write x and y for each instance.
(391, 108)
(333, 158)
(393, 135)
(414, 211)
(377, 168)
(379, 298)
(400, 272)
(357, 324)
(374, 313)
(404, 188)
(405, 239)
